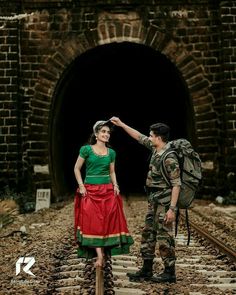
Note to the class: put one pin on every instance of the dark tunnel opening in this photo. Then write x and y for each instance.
(132, 81)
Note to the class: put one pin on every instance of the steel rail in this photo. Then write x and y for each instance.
(222, 247)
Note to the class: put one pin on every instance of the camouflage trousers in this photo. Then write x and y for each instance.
(156, 230)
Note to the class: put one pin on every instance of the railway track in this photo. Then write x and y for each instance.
(228, 251)
(200, 270)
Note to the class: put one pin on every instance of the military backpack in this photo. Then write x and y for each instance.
(190, 173)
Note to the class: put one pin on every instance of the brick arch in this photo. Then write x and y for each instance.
(192, 72)
(105, 33)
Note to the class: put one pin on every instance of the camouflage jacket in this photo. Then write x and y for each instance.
(159, 188)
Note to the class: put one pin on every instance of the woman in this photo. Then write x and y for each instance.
(100, 223)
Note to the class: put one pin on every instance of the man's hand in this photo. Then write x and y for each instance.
(116, 121)
(170, 216)
(131, 131)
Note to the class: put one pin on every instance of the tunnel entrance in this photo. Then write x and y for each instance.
(132, 81)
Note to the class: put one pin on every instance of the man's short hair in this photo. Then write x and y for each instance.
(162, 130)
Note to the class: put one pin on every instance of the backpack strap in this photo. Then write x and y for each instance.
(163, 167)
(187, 224)
(177, 221)
(165, 176)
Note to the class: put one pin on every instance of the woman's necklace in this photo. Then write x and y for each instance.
(100, 151)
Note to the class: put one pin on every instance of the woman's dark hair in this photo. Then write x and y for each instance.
(162, 130)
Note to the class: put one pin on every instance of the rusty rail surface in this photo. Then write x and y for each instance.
(222, 247)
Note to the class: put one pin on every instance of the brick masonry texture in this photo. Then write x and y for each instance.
(39, 40)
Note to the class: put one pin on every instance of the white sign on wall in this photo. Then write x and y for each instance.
(41, 169)
(43, 199)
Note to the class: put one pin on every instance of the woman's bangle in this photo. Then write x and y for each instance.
(80, 184)
(116, 185)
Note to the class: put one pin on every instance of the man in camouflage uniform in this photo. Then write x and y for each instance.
(162, 200)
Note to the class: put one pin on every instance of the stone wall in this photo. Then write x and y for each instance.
(39, 41)
(228, 91)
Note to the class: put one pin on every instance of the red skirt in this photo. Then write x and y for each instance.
(100, 222)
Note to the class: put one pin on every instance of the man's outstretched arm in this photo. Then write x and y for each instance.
(131, 131)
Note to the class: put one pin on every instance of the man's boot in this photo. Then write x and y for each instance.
(145, 273)
(167, 276)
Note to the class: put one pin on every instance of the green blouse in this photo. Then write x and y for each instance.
(97, 166)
